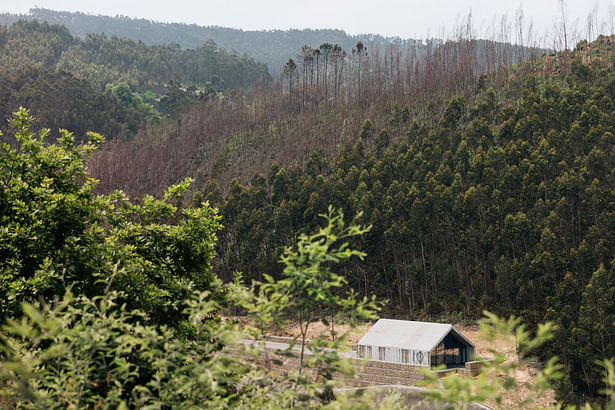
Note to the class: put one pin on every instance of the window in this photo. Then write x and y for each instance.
(405, 356)
(450, 357)
(437, 355)
(382, 353)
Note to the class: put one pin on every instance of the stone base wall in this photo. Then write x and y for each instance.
(474, 367)
(374, 373)
(367, 373)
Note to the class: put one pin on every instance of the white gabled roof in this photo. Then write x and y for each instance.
(406, 334)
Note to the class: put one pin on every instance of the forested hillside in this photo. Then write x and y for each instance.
(112, 85)
(103, 60)
(273, 47)
(484, 192)
(113, 302)
(59, 100)
(319, 101)
(485, 172)
(506, 203)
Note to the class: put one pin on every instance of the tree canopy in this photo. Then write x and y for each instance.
(58, 234)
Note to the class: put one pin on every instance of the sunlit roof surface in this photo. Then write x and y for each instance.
(406, 334)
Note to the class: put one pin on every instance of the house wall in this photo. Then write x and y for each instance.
(393, 355)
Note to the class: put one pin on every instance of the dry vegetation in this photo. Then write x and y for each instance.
(512, 399)
(525, 375)
(319, 330)
(321, 104)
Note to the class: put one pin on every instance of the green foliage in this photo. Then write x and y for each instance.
(308, 279)
(289, 68)
(177, 98)
(367, 130)
(92, 352)
(504, 202)
(88, 352)
(498, 373)
(594, 339)
(94, 83)
(57, 233)
(608, 366)
(311, 291)
(101, 60)
(110, 346)
(59, 100)
(453, 112)
(112, 275)
(44, 43)
(51, 184)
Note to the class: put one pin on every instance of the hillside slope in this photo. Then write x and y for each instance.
(501, 197)
(102, 60)
(273, 47)
(109, 84)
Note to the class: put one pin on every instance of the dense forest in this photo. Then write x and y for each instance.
(484, 172)
(112, 302)
(61, 100)
(111, 85)
(103, 60)
(484, 191)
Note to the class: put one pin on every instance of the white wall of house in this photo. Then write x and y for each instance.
(393, 355)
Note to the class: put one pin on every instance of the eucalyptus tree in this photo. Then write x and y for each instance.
(290, 67)
(359, 51)
(326, 49)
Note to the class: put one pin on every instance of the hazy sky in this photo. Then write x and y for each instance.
(403, 18)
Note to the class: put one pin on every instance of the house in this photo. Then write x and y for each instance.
(415, 343)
